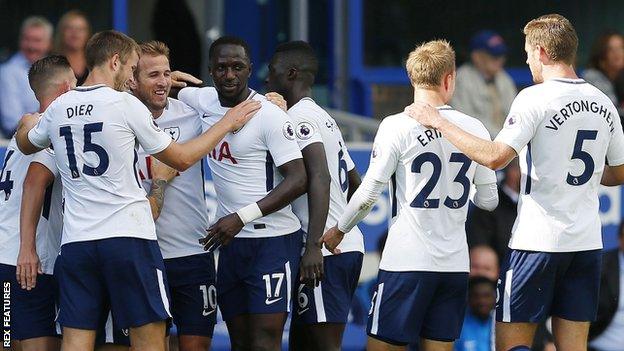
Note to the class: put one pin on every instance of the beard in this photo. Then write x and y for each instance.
(120, 82)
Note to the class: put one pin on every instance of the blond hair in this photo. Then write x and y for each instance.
(154, 48)
(103, 45)
(555, 34)
(429, 63)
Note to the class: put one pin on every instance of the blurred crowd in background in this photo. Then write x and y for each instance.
(484, 90)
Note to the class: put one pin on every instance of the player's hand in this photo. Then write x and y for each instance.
(161, 171)
(28, 266)
(222, 232)
(311, 266)
(331, 239)
(28, 121)
(425, 114)
(240, 114)
(180, 79)
(278, 100)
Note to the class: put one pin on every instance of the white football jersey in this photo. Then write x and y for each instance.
(50, 225)
(184, 216)
(95, 132)
(430, 186)
(563, 130)
(244, 164)
(314, 125)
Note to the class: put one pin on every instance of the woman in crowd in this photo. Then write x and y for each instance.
(606, 64)
(72, 33)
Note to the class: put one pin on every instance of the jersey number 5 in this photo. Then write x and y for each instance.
(422, 198)
(584, 156)
(89, 146)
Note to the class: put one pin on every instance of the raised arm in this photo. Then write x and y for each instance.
(28, 122)
(181, 156)
(491, 154)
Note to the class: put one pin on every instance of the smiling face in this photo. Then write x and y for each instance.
(230, 70)
(152, 82)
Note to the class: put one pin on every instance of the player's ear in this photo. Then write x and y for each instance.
(250, 69)
(115, 62)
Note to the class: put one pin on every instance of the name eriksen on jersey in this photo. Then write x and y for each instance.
(579, 106)
(430, 134)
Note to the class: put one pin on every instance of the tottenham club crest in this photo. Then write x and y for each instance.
(512, 120)
(304, 130)
(173, 132)
(289, 131)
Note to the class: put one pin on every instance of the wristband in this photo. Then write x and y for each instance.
(249, 213)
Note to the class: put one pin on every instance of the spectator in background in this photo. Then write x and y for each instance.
(16, 96)
(72, 33)
(477, 331)
(606, 63)
(484, 262)
(483, 88)
(494, 228)
(606, 333)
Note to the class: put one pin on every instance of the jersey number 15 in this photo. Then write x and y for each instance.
(89, 146)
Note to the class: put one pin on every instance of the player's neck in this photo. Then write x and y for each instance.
(429, 96)
(295, 95)
(231, 102)
(558, 71)
(100, 76)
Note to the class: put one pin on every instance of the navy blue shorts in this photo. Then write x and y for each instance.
(127, 274)
(331, 300)
(256, 275)
(535, 285)
(193, 293)
(110, 333)
(33, 312)
(408, 306)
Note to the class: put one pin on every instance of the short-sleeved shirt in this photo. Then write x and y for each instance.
(244, 164)
(48, 239)
(563, 131)
(95, 132)
(314, 125)
(183, 219)
(430, 185)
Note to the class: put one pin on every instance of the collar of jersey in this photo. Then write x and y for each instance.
(569, 80)
(444, 107)
(89, 87)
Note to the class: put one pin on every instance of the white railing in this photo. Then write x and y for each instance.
(355, 128)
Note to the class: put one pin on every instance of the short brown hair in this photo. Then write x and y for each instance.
(154, 48)
(44, 72)
(103, 45)
(429, 62)
(555, 34)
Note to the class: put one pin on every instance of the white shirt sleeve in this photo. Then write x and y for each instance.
(615, 150)
(190, 96)
(46, 158)
(360, 204)
(486, 196)
(139, 119)
(39, 136)
(279, 134)
(347, 158)
(385, 155)
(521, 123)
(306, 129)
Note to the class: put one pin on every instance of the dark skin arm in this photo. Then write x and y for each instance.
(293, 186)
(354, 182)
(311, 266)
(37, 180)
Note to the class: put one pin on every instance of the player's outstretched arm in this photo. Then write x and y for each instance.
(613, 175)
(28, 122)
(161, 176)
(181, 156)
(358, 207)
(492, 154)
(311, 266)
(37, 180)
(293, 186)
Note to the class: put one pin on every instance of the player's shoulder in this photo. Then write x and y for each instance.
(307, 109)
(268, 110)
(466, 122)
(205, 99)
(179, 108)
